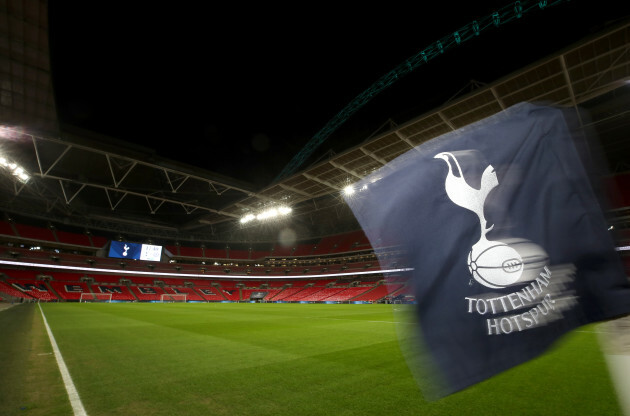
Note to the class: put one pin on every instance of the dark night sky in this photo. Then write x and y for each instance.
(240, 89)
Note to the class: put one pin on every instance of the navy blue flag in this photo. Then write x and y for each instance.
(506, 238)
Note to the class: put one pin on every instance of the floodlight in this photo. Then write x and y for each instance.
(247, 218)
(284, 210)
(348, 190)
(267, 214)
(14, 168)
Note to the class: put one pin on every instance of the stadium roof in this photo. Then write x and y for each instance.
(87, 181)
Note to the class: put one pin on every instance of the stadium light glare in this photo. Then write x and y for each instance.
(267, 214)
(351, 190)
(284, 210)
(247, 218)
(7, 133)
(15, 169)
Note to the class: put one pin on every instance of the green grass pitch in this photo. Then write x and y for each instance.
(267, 359)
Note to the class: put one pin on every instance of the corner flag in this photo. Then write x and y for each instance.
(506, 237)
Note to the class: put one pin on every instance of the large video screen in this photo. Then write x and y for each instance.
(135, 251)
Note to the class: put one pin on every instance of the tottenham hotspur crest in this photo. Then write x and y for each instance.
(492, 263)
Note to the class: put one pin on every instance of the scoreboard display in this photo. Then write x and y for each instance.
(134, 251)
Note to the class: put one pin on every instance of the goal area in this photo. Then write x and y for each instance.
(171, 297)
(95, 297)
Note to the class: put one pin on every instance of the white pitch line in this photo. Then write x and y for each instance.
(73, 395)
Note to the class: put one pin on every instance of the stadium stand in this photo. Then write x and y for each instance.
(74, 259)
(200, 282)
(280, 250)
(356, 240)
(326, 245)
(303, 250)
(287, 293)
(191, 252)
(376, 293)
(210, 294)
(147, 293)
(119, 292)
(238, 254)
(66, 277)
(141, 280)
(214, 253)
(277, 283)
(617, 188)
(73, 238)
(116, 276)
(246, 294)
(98, 242)
(105, 278)
(20, 274)
(304, 294)
(233, 294)
(36, 255)
(6, 228)
(13, 292)
(260, 254)
(70, 291)
(347, 294)
(35, 233)
(35, 288)
(174, 250)
(68, 286)
(191, 294)
(300, 283)
(171, 281)
(321, 294)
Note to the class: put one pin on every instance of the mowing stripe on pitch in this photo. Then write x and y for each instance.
(73, 395)
(357, 320)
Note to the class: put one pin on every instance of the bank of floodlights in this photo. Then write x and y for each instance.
(6, 162)
(267, 214)
(13, 168)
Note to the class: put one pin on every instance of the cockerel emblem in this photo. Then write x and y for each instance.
(492, 263)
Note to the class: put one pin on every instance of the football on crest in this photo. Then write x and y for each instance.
(497, 264)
